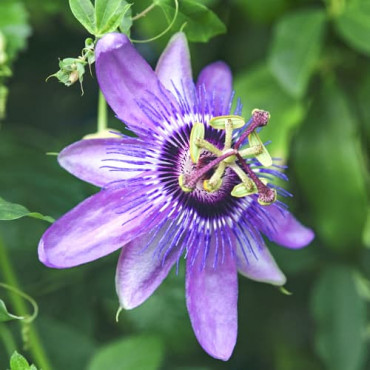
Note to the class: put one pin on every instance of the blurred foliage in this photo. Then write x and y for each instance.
(307, 62)
(18, 362)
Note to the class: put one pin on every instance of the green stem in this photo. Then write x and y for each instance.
(20, 309)
(8, 340)
(102, 113)
(144, 12)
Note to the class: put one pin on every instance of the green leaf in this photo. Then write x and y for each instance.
(330, 169)
(84, 12)
(258, 89)
(263, 10)
(353, 25)
(109, 14)
(295, 50)
(18, 362)
(14, 26)
(139, 352)
(200, 23)
(340, 316)
(12, 211)
(126, 22)
(5, 315)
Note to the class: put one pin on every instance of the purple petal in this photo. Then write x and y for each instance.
(174, 67)
(256, 263)
(140, 271)
(211, 297)
(95, 228)
(127, 80)
(217, 80)
(285, 229)
(96, 161)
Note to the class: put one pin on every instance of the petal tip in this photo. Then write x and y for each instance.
(220, 352)
(110, 42)
(43, 257)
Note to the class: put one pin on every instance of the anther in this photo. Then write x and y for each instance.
(220, 122)
(264, 157)
(196, 134)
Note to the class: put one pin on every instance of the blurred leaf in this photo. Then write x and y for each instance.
(84, 12)
(18, 362)
(14, 26)
(200, 23)
(263, 10)
(340, 316)
(296, 48)
(258, 89)
(13, 211)
(5, 315)
(67, 347)
(362, 286)
(353, 24)
(126, 22)
(140, 352)
(109, 14)
(330, 169)
(366, 231)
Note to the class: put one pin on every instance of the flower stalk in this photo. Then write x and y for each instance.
(8, 274)
(102, 123)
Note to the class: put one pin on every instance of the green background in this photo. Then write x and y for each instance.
(305, 61)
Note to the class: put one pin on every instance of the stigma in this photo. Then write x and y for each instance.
(231, 156)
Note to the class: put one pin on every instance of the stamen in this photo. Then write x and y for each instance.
(264, 157)
(248, 183)
(251, 151)
(204, 144)
(229, 126)
(227, 157)
(197, 133)
(215, 182)
(220, 122)
(266, 195)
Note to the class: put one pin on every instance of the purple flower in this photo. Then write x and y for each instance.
(181, 188)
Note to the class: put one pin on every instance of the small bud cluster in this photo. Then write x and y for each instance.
(73, 69)
(234, 158)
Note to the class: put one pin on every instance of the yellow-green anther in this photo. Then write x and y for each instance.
(219, 122)
(251, 151)
(182, 185)
(241, 190)
(264, 157)
(196, 134)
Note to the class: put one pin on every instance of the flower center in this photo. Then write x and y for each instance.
(211, 173)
